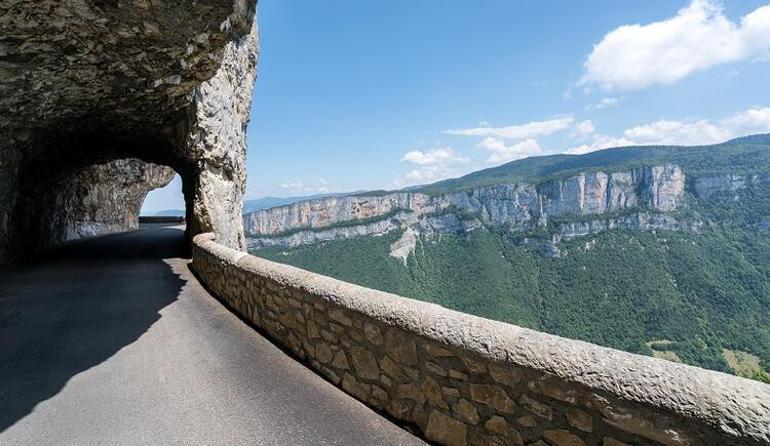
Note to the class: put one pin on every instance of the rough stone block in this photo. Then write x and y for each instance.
(400, 347)
(562, 437)
(340, 360)
(323, 353)
(451, 392)
(410, 392)
(373, 334)
(580, 419)
(464, 410)
(493, 396)
(435, 368)
(501, 426)
(526, 421)
(609, 441)
(355, 388)
(390, 367)
(339, 315)
(507, 376)
(445, 430)
(364, 363)
(540, 409)
(432, 391)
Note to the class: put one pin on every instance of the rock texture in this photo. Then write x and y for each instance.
(464, 380)
(87, 82)
(707, 186)
(103, 199)
(114, 61)
(597, 198)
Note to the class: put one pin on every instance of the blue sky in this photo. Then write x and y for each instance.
(356, 95)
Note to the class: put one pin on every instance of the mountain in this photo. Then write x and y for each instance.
(656, 250)
(169, 213)
(269, 202)
(738, 156)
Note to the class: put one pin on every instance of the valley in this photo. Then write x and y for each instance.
(623, 255)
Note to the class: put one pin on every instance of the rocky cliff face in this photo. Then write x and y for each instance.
(84, 83)
(596, 199)
(705, 187)
(103, 199)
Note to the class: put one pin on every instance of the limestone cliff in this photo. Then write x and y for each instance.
(576, 205)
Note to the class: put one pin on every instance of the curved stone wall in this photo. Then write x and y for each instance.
(461, 379)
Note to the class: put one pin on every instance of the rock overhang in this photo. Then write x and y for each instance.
(90, 82)
(120, 63)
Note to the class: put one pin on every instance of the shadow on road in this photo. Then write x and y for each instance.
(78, 307)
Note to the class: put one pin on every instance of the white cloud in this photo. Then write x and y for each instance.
(293, 186)
(520, 131)
(500, 152)
(669, 132)
(599, 142)
(433, 157)
(701, 131)
(585, 127)
(300, 188)
(753, 120)
(515, 142)
(604, 103)
(700, 36)
(684, 132)
(434, 165)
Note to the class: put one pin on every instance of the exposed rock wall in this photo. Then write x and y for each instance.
(216, 139)
(707, 186)
(9, 186)
(124, 62)
(87, 82)
(102, 199)
(517, 206)
(464, 380)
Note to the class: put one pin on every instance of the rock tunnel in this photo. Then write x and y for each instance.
(103, 100)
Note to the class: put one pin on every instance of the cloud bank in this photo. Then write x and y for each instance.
(700, 36)
(683, 132)
(433, 165)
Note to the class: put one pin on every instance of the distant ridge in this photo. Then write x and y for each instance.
(168, 213)
(271, 202)
(743, 155)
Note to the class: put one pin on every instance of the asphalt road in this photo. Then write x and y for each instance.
(113, 341)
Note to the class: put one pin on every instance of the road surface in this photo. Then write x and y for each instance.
(112, 340)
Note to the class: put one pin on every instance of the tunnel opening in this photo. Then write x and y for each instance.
(101, 199)
(165, 202)
(85, 180)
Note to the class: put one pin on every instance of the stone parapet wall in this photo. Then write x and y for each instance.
(465, 380)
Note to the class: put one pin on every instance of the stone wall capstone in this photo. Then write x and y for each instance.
(464, 380)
